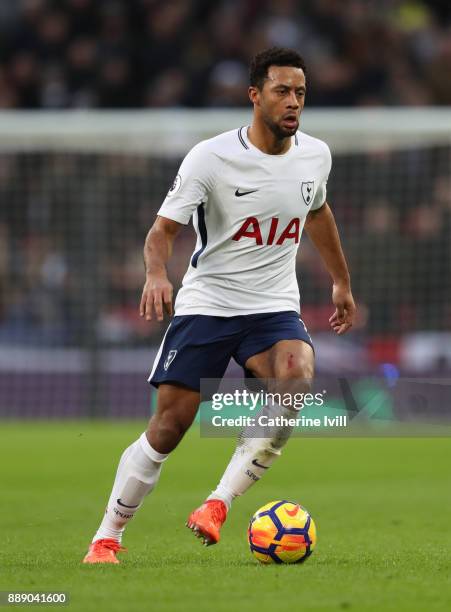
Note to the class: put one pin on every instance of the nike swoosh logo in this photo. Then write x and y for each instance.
(255, 462)
(239, 193)
(292, 512)
(124, 505)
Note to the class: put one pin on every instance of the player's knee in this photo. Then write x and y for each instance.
(165, 430)
(170, 424)
(301, 370)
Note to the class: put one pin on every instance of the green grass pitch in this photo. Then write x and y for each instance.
(382, 508)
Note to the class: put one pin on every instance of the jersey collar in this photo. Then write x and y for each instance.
(247, 144)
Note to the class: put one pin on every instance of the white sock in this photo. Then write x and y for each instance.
(256, 451)
(137, 474)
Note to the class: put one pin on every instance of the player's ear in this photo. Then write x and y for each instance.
(254, 95)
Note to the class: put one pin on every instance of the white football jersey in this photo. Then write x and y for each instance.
(248, 210)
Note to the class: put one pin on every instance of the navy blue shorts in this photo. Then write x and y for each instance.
(200, 346)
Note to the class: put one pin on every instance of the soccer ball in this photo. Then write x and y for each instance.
(282, 532)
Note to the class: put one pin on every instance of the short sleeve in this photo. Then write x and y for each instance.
(191, 186)
(321, 190)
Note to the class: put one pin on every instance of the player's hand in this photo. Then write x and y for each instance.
(345, 309)
(157, 294)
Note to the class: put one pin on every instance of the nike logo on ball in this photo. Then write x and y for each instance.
(239, 193)
(255, 462)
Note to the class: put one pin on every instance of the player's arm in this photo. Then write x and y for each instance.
(157, 292)
(322, 230)
(191, 186)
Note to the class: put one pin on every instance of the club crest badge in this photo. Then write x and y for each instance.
(169, 359)
(308, 191)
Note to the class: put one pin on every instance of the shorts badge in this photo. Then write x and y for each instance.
(169, 359)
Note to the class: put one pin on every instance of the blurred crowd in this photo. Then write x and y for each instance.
(169, 53)
(72, 229)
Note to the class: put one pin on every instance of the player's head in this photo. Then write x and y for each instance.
(277, 89)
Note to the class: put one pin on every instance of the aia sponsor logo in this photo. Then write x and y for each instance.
(276, 236)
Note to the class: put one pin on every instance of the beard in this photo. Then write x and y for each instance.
(279, 131)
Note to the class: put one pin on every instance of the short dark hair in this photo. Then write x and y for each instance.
(275, 56)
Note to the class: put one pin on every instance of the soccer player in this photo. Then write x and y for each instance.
(250, 193)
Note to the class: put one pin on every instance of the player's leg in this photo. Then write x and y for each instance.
(277, 348)
(287, 367)
(140, 465)
(176, 408)
(194, 347)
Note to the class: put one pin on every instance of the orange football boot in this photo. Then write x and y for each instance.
(206, 521)
(104, 551)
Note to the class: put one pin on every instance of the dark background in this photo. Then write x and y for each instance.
(153, 53)
(72, 224)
